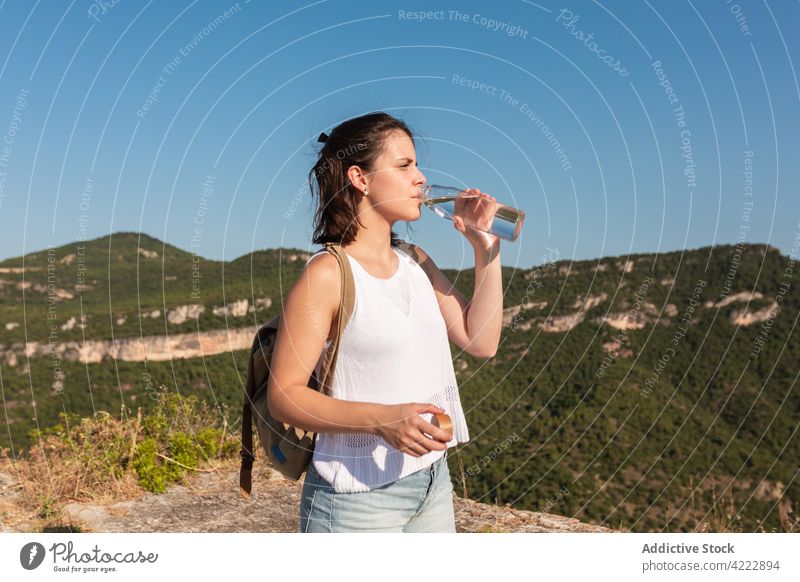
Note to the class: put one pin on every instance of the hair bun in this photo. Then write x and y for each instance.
(323, 137)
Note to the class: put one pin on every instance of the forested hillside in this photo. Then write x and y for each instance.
(653, 392)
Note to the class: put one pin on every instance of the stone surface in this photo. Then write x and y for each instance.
(211, 502)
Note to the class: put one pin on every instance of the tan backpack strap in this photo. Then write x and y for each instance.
(346, 306)
(411, 249)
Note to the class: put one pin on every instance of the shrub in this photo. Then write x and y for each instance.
(82, 459)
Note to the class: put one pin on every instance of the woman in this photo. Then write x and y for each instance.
(379, 464)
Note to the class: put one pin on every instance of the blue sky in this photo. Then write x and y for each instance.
(592, 151)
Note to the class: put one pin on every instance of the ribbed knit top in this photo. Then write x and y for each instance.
(393, 350)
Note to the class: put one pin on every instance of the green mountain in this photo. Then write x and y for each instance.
(653, 392)
(130, 276)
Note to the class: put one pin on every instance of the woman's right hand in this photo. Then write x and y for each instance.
(401, 426)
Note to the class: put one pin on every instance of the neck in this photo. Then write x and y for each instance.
(374, 240)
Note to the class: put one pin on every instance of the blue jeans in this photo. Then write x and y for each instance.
(420, 502)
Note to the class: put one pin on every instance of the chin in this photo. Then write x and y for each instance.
(408, 215)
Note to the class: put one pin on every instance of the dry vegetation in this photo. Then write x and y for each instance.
(105, 459)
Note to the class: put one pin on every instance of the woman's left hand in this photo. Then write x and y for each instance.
(481, 208)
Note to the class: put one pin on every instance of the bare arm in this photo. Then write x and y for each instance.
(485, 313)
(474, 326)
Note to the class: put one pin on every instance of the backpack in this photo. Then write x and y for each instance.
(289, 448)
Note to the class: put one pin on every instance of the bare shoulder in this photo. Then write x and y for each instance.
(323, 265)
(321, 276)
(319, 286)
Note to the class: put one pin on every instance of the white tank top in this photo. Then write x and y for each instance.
(393, 350)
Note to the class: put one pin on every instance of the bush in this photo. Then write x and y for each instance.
(82, 459)
(181, 434)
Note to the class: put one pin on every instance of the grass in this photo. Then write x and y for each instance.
(102, 459)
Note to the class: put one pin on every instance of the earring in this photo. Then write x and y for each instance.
(366, 193)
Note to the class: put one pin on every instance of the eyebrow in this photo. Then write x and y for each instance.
(405, 159)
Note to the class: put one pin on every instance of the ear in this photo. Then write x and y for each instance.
(357, 178)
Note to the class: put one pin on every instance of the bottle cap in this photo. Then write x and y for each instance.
(442, 421)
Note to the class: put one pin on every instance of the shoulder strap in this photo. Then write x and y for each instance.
(411, 249)
(346, 306)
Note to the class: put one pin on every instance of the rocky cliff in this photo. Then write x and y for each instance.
(210, 502)
(138, 349)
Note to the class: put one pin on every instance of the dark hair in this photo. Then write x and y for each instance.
(355, 142)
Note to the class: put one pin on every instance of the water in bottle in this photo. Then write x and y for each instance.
(478, 212)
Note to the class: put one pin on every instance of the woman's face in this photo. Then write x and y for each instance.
(393, 183)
